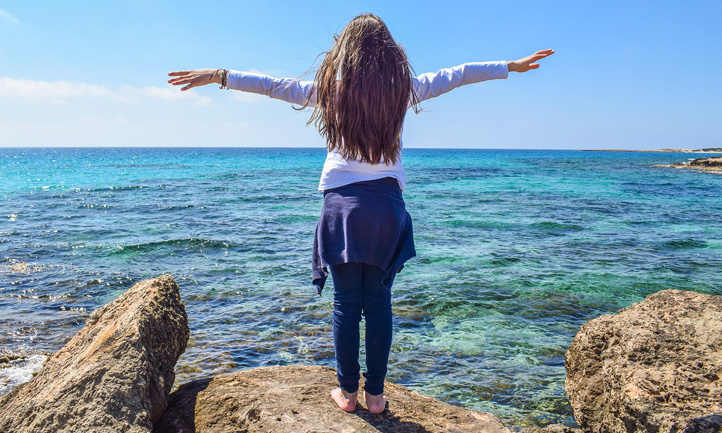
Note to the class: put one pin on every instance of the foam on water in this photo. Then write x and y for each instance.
(17, 369)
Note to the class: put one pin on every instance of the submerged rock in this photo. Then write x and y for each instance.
(653, 367)
(115, 375)
(555, 428)
(296, 399)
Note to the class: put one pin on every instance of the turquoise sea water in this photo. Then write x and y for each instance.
(516, 250)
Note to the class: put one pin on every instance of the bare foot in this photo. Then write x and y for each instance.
(344, 400)
(375, 403)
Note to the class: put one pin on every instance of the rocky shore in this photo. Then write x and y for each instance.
(666, 150)
(653, 367)
(705, 164)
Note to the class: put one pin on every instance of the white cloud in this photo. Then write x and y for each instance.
(7, 17)
(120, 119)
(171, 94)
(55, 92)
(19, 87)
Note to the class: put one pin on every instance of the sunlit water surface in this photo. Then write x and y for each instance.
(516, 250)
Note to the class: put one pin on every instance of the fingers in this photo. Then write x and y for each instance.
(191, 83)
(543, 53)
(536, 57)
(539, 55)
(182, 80)
(192, 78)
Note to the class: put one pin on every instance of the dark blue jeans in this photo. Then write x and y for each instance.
(361, 289)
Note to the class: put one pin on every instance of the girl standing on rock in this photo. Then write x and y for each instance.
(360, 95)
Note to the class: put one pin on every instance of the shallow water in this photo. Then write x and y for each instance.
(516, 250)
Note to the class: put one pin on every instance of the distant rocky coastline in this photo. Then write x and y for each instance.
(653, 367)
(667, 150)
(713, 164)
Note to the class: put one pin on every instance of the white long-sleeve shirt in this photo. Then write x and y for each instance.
(338, 171)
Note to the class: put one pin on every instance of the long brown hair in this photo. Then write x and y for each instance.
(363, 90)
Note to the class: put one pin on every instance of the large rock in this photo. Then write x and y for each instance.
(115, 375)
(650, 368)
(296, 399)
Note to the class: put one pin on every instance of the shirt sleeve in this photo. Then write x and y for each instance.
(286, 89)
(431, 85)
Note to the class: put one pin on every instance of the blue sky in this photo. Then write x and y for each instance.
(639, 75)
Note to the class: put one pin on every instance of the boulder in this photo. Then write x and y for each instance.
(115, 375)
(650, 368)
(296, 399)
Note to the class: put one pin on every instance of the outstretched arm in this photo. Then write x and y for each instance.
(431, 85)
(286, 89)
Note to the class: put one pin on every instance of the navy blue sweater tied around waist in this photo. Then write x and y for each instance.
(363, 222)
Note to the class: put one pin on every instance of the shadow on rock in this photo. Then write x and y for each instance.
(387, 422)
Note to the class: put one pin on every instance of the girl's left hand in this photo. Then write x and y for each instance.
(527, 63)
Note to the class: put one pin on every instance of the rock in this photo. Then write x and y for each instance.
(652, 366)
(707, 164)
(115, 375)
(556, 428)
(715, 161)
(296, 399)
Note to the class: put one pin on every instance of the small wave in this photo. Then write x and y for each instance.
(296, 218)
(20, 266)
(144, 165)
(504, 261)
(178, 207)
(556, 227)
(228, 176)
(684, 243)
(114, 188)
(480, 224)
(186, 243)
(16, 369)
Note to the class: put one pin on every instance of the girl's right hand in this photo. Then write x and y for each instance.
(195, 77)
(527, 63)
